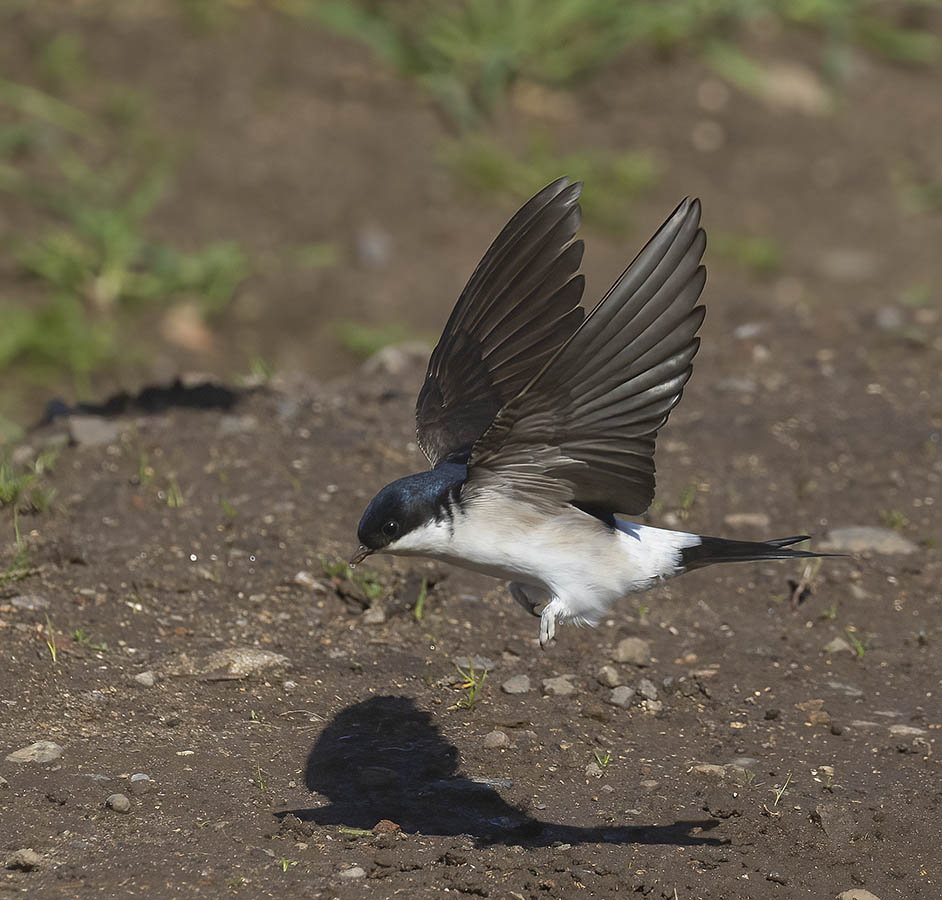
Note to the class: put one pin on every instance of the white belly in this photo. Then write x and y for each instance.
(573, 556)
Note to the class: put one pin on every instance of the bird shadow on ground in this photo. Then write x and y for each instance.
(384, 758)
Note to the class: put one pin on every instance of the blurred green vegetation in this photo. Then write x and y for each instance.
(467, 53)
(85, 184)
(613, 181)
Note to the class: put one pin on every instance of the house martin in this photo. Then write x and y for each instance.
(539, 421)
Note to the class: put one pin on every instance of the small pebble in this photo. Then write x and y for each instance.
(621, 696)
(30, 601)
(838, 645)
(40, 752)
(480, 663)
(647, 689)
(608, 676)
(560, 686)
(351, 874)
(119, 803)
(386, 826)
(375, 615)
(146, 679)
(495, 739)
(632, 650)
(517, 684)
(857, 894)
(25, 860)
(140, 784)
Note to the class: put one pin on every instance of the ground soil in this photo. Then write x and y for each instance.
(822, 411)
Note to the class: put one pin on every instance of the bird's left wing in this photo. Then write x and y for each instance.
(583, 431)
(519, 307)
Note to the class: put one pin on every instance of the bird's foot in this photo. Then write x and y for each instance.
(551, 612)
(528, 596)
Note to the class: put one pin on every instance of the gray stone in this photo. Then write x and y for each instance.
(140, 783)
(146, 679)
(92, 431)
(757, 520)
(621, 696)
(560, 686)
(232, 424)
(3, 783)
(517, 684)
(857, 894)
(737, 384)
(710, 770)
(352, 874)
(593, 770)
(119, 803)
(847, 689)
(26, 860)
(375, 615)
(30, 601)
(889, 318)
(847, 264)
(373, 246)
(480, 663)
(609, 676)
(906, 730)
(241, 662)
(397, 359)
(862, 538)
(40, 752)
(838, 645)
(633, 650)
(647, 689)
(494, 740)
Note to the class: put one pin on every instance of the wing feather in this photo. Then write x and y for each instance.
(583, 430)
(519, 307)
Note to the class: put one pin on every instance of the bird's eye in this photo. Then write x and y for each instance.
(391, 528)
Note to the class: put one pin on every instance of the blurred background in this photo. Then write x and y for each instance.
(249, 187)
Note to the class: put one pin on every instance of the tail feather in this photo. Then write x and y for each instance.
(715, 550)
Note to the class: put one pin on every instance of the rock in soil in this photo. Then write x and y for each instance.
(241, 662)
(351, 874)
(495, 739)
(25, 860)
(857, 894)
(517, 684)
(860, 538)
(140, 783)
(609, 676)
(92, 431)
(647, 689)
(119, 803)
(146, 679)
(30, 601)
(40, 752)
(560, 686)
(621, 696)
(632, 650)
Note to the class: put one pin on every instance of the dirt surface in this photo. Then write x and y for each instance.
(758, 766)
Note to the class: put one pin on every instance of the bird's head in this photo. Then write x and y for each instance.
(398, 517)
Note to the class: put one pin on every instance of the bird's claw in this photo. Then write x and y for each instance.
(548, 623)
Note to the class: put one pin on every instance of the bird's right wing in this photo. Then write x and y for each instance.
(583, 431)
(518, 308)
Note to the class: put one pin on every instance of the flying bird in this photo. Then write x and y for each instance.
(539, 421)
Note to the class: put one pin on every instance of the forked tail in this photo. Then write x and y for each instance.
(716, 550)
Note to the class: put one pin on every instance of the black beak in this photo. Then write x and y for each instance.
(362, 553)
